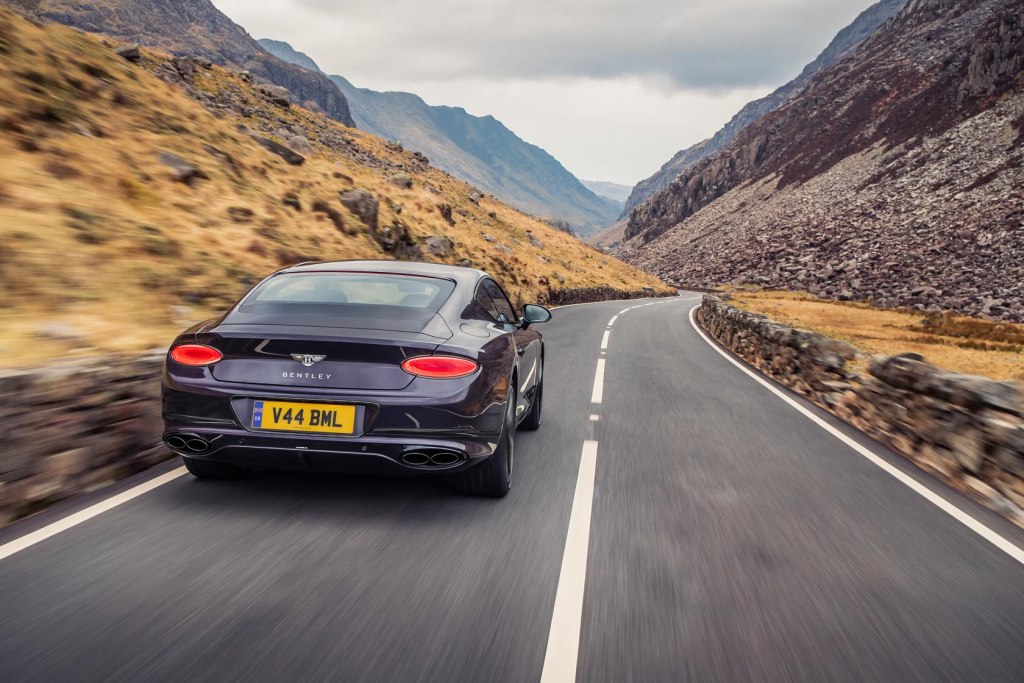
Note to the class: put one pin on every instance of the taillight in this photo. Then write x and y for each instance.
(195, 354)
(439, 367)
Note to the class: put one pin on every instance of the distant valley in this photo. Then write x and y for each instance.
(478, 149)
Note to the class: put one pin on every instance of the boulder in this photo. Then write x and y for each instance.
(439, 245)
(402, 180)
(130, 53)
(290, 156)
(299, 143)
(181, 170)
(363, 205)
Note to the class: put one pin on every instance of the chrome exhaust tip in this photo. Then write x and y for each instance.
(176, 443)
(445, 458)
(416, 459)
(186, 443)
(197, 445)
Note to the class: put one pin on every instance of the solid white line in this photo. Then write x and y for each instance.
(914, 485)
(567, 616)
(604, 339)
(598, 393)
(612, 321)
(28, 540)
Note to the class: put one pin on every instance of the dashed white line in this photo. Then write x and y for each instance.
(595, 418)
(28, 540)
(604, 339)
(598, 393)
(938, 501)
(612, 321)
(563, 648)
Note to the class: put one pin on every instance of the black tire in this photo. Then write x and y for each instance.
(208, 469)
(531, 422)
(493, 477)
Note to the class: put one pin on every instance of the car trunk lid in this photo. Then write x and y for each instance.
(361, 358)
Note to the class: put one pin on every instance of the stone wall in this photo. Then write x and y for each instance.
(967, 430)
(586, 295)
(75, 427)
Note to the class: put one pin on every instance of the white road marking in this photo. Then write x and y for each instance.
(622, 312)
(612, 321)
(905, 479)
(598, 393)
(604, 339)
(595, 418)
(567, 616)
(28, 540)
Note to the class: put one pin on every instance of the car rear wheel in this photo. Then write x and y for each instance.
(493, 478)
(207, 469)
(532, 420)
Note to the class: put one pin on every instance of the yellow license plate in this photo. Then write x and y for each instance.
(304, 417)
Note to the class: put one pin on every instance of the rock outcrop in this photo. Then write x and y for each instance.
(896, 176)
(846, 40)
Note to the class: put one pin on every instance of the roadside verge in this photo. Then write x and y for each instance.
(968, 431)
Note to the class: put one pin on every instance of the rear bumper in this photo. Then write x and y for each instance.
(459, 419)
(406, 455)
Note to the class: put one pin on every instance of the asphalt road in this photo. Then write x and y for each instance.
(700, 529)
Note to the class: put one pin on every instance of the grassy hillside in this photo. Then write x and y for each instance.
(132, 204)
(960, 343)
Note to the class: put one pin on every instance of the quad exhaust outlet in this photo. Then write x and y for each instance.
(432, 458)
(187, 443)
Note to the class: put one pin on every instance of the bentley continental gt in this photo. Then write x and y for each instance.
(360, 366)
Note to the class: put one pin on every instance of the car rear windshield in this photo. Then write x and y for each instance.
(330, 298)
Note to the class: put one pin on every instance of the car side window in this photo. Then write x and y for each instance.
(501, 302)
(485, 302)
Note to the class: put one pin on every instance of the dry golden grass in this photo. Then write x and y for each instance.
(962, 344)
(97, 238)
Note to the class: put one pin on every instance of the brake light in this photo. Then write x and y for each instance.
(195, 354)
(439, 367)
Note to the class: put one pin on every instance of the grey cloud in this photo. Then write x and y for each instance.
(687, 43)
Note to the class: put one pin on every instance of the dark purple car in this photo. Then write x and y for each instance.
(360, 366)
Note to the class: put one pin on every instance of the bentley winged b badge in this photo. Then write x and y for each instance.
(307, 359)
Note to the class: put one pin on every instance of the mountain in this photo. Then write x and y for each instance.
(138, 190)
(478, 149)
(845, 41)
(895, 176)
(191, 28)
(613, 191)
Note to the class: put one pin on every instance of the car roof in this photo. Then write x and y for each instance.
(460, 274)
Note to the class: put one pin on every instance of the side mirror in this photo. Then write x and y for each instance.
(532, 313)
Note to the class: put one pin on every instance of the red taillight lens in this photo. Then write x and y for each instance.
(439, 367)
(195, 354)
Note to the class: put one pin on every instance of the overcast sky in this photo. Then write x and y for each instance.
(611, 88)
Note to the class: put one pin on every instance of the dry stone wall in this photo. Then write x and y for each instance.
(586, 295)
(967, 430)
(75, 427)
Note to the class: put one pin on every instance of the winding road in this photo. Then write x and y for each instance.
(675, 519)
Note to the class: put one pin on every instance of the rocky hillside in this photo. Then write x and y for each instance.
(191, 28)
(845, 41)
(139, 192)
(478, 149)
(895, 176)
